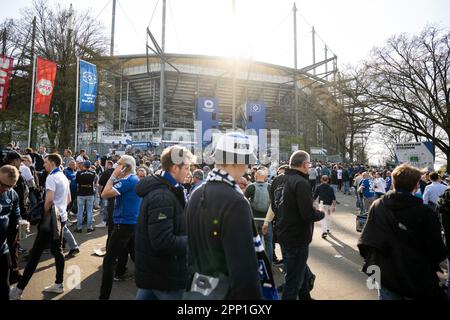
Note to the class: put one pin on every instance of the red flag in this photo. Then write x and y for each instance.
(6, 66)
(45, 81)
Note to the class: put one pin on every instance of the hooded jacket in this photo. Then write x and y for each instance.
(402, 237)
(161, 240)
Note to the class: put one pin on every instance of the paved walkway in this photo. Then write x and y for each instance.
(335, 261)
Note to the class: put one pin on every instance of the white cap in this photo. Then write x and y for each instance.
(234, 148)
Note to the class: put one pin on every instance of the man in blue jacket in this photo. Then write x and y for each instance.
(9, 215)
(121, 185)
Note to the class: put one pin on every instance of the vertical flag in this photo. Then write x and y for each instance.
(88, 86)
(6, 66)
(45, 82)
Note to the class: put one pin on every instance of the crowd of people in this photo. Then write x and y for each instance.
(200, 232)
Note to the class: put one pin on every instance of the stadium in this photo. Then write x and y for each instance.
(298, 103)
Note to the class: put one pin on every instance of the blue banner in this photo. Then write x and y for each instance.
(88, 86)
(208, 114)
(255, 114)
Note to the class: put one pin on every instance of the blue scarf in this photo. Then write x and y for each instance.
(167, 176)
(56, 170)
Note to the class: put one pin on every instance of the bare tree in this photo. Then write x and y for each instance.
(406, 84)
(57, 42)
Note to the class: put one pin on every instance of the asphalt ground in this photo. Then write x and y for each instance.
(335, 261)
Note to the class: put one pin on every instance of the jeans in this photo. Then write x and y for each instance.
(117, 244)
(296, 272)
(41, 242)
(97, 199)
(268, 239)
(73, 204)
(385, 294)
(5, 265)
(346, 186)
(104, 209)
(147, 294)
(88, 202)
(71, 242)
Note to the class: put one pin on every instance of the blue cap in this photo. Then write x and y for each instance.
(87, 164)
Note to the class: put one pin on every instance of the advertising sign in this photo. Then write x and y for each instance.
(418, 154)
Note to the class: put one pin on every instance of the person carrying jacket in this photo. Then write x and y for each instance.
(402, 237)
(161, 238)
(296, 214)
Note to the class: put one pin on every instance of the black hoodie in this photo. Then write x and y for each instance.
(161, 240)
(402, 237)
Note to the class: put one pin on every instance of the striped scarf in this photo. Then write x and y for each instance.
(264, 265)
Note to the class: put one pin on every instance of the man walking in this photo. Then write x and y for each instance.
(295, 224)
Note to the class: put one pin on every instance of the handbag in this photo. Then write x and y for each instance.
(361, 220)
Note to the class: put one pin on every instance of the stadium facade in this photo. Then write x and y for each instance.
(298, 103)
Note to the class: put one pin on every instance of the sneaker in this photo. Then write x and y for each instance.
(78, 230)
(101, 225)
(55, 288)
(324, 235)
(124, 277)
(22, 250)
(72, 253)
(90, 230)
(15, 293)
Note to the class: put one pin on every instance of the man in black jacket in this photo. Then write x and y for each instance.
(296, 215)
(220, 227)
(402, 238)
(161, 240)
